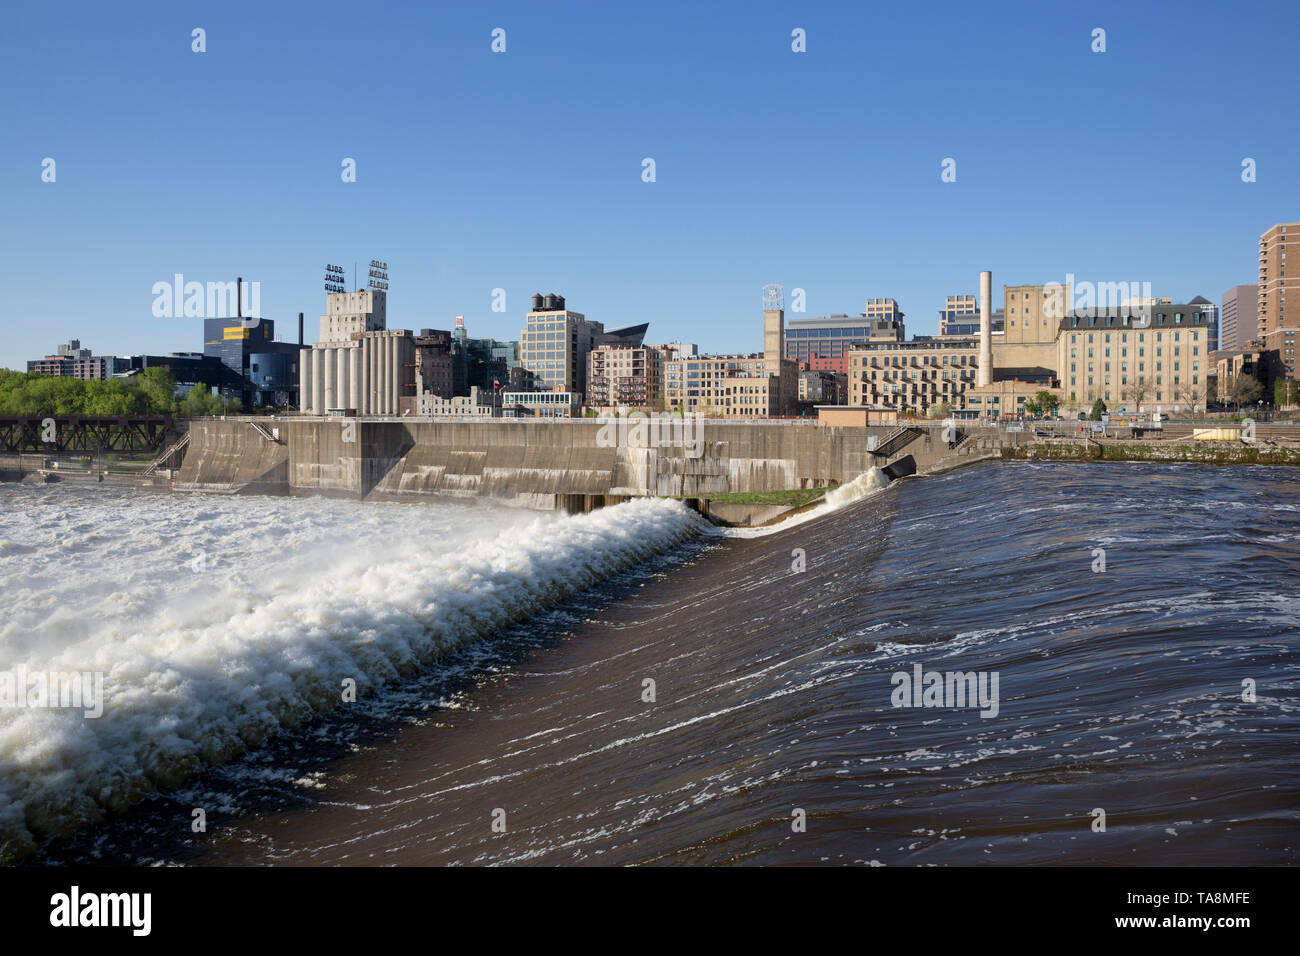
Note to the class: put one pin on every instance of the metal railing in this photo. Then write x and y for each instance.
(176, 446)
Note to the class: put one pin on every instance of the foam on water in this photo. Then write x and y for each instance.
(865, 485)
(217, 622)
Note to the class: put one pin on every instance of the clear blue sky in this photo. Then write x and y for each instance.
(522, 170)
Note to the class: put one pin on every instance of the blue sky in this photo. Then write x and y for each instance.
(522, 170)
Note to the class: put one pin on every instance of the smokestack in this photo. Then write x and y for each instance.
(300, 342)
(239, 297)
(984, 374)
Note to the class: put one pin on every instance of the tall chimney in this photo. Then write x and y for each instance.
(300, 342)
(239, 296)
(984, 374)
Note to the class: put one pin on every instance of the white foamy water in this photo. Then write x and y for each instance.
(218, 621)
(865, 485)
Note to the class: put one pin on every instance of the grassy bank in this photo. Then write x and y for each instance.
(1208, 453)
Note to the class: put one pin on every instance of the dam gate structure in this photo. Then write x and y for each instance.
(572, 464)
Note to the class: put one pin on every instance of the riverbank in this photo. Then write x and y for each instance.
(1202, 453)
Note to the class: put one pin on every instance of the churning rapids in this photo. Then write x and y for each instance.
(631, 686)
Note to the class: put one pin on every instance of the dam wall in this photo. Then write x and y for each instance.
(233, 457)
(572, 464)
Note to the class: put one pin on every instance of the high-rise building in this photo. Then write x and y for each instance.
(1239, 319)
(1277, 329)
(554, 344)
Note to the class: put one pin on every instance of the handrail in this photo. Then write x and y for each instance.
(175, 447)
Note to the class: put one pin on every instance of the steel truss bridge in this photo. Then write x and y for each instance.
(83, 434)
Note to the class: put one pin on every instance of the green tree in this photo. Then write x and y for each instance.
(1098, 409)
(158, 391)
(200, 401)
(1284, 391)
(1047, 401)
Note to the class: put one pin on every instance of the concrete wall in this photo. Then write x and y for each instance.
(232, 456)
(540, 464)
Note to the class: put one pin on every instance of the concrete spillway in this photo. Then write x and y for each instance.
(529, 463)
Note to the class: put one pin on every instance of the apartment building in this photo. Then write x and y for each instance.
(72, 361)
(1126, 358)
(1277, 328)
(624, 376)
(913, 375)
(823, 387)
(698, 384)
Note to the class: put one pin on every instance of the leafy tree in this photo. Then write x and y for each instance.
(158, 389)
(200, 401)
(1285, 391)
(1047, 401)
(1098, 409)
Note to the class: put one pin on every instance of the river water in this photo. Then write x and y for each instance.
(1158, 692)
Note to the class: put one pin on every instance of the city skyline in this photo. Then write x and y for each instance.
(809, 171)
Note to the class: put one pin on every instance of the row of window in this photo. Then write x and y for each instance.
(1196, 350)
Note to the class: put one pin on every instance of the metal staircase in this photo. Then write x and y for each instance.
(896, 440)
(175, 447)
(261, 430)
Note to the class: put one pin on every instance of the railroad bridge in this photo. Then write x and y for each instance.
(85, 434)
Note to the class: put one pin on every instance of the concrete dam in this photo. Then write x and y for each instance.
(573, 465)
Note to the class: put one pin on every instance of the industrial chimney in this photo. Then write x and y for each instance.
(239, 296)
(984, 374)
(300, 342)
